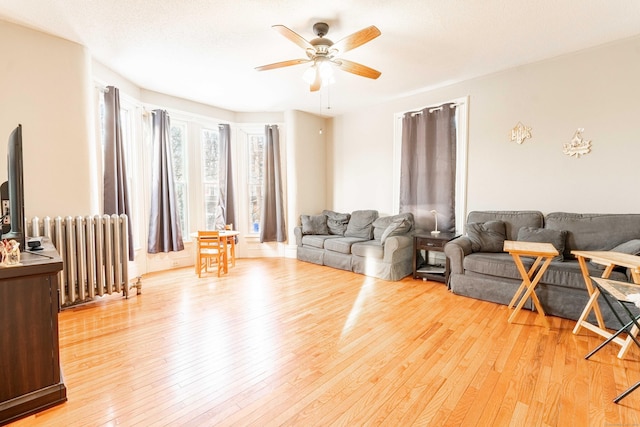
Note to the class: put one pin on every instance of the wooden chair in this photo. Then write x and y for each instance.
(211, 247)
(231, 245)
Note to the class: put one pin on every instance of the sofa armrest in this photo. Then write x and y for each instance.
(394, 243)
(297, 231)
(456, 250)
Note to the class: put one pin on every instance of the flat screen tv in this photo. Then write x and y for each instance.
(16, 188)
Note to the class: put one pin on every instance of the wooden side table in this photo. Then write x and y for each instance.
(542, 251)
(609, 260)
(428, 242)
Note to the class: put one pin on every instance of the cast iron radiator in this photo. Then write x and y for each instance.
(94, 252)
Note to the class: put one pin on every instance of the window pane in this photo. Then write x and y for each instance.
(210, 175)
(210, 155)
(178, 142)
(178, 135)
(131, 159)
(210, 204)
(182, 207)
(255, 179)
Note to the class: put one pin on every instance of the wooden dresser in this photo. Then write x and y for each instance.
(30, 376)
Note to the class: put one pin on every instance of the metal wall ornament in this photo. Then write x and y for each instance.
(578, 146)
(520, 133)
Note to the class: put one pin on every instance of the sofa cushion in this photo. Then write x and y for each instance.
(632, 247)
(594, 232)
(494, 264)
(368, 249)
(569, 275)
(337, 222)
(399, 225)
(316, 240)
(513, 220)
(487, 237)
(381, 224)
(314, 224)
(342, 244)
(544, 235)
(361, 224)
(564, 274)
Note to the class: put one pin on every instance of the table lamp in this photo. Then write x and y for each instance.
(435, 214)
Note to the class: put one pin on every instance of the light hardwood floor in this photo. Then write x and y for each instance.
(282, 342)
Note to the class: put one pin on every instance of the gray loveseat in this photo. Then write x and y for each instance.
(479, 269)
(360, 241)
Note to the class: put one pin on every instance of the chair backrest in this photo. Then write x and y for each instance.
(209, 240)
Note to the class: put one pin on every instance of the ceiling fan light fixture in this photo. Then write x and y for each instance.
(309, 75)
(326, 73)
(324, 54)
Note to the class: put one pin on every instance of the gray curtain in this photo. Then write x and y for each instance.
(115, 190)
(165, 234)
(272, 224)
(226, 193)
(428, 166)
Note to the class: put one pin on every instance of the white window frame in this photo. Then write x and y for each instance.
(195, 126)
(216, 181)
(243, 133)
(131, 139)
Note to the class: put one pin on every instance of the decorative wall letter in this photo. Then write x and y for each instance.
(577, 146)
(520, 132)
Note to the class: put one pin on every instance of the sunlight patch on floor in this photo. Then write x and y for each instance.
(366, 289)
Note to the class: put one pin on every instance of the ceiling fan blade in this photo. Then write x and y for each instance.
(358, 69)
(356, 39)
(282, 64)
(293, 36)
(317, 81)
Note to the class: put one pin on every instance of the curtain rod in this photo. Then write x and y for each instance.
(438, 108)
(101, 86)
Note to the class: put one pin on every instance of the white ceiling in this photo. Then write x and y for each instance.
(206, 50)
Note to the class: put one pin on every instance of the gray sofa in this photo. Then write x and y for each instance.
(480, 270)
(360, 241)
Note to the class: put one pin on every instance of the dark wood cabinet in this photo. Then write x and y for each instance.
(30, 376)
(426, 243)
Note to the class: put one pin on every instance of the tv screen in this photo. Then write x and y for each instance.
(16, 188)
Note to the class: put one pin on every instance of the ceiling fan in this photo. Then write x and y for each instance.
(323, 53)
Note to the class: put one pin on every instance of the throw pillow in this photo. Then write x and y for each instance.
(632, 247)
(397, 226)
(314, 224)
(361, 224)
(545, 235)
(337, 222)
(487, 236)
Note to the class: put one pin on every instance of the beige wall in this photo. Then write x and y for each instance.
(361, 161)
(44, 85)
(597, 90)
(306, 166)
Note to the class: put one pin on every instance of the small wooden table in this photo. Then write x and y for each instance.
(542, 251)
(228, 237)
(609, 260)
